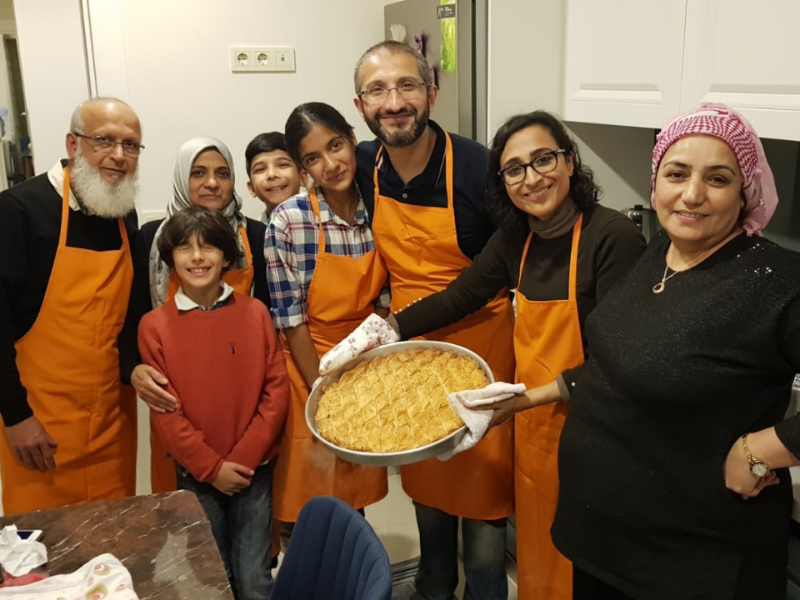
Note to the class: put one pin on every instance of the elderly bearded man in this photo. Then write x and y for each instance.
(69, 430)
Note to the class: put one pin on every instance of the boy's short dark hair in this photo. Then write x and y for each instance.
(208, 225)
(264, 142)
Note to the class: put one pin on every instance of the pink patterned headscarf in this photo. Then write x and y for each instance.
(761, 196)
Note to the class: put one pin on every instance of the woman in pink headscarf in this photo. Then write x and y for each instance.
(673, 459)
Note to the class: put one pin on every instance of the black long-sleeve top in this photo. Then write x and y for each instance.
(141, 303)
(609, 245)
(30, 224)
(674, 379)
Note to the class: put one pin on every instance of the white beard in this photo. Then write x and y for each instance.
(97, 196)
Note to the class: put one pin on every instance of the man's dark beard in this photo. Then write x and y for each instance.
(400, 138)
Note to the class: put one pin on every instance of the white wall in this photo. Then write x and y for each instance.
(53, 70)
(526, 66)
(170, 61)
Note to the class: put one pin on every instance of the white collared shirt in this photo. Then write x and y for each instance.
(56, 177)
(184, 303)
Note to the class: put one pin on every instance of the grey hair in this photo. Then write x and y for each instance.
(391, 47)
(76, 121)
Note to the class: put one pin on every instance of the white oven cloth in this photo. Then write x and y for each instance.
(102, 578)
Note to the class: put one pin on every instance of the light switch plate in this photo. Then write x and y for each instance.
(284, 59)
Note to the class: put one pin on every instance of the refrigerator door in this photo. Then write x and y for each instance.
(461, 103)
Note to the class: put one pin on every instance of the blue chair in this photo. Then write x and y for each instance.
(333, 554)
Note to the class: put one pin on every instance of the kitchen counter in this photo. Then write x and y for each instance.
(164, 540)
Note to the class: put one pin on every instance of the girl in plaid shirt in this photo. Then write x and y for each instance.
(325, 277)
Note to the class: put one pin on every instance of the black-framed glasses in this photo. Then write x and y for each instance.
(542, 164)
(377, 94)
(105, 144)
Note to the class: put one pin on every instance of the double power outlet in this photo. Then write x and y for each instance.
(249, 59)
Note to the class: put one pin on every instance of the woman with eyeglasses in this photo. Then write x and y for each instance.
(562, 252)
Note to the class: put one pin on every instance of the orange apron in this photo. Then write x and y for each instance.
(547, 339)
(162, 469)
(69, 364)
(420, 247)
(340, 297)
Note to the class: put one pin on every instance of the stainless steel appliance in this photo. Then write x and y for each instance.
(645, 220)
(454, 39)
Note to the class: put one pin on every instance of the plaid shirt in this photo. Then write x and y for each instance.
(291, 248)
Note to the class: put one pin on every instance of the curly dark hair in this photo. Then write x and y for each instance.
(583, 190)
(208, 225)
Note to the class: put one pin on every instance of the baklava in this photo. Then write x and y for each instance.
(397, 402)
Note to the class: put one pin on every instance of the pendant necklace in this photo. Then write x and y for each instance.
(659, 287)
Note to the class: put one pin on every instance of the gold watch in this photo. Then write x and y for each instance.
(758, 467)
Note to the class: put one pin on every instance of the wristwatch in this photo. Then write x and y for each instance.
(758, 467)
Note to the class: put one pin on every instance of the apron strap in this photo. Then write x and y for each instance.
(375, 172)
(312, 196)
(448, 167)
(573, 259)
(524, 256)
(248, 254)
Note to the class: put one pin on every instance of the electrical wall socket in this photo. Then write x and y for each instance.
(261, 59)
(241, 59)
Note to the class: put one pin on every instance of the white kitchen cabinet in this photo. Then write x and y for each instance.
(623, 61)
(641, 62)
(748, 58)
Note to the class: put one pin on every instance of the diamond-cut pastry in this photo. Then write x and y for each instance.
(397, 402)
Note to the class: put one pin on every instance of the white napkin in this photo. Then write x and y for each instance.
(102, 577)
(19, 557)
(372, 332)
(477, 421)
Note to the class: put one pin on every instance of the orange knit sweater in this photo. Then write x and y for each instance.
(226, 368)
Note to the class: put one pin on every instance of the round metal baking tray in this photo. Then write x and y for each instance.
(387, 459)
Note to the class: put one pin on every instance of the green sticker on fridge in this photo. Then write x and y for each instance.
(448, 25)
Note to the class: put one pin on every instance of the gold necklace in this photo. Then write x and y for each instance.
(659, 287)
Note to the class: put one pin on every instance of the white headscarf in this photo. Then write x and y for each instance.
(188, 153)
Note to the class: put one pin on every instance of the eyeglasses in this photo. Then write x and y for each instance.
(378, 94)
(542, 164)
(106, 145)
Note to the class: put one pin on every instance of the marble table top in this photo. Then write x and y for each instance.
(164, 540)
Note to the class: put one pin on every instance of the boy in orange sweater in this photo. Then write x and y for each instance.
(219, 351)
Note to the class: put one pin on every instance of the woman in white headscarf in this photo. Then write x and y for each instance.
(203, 176)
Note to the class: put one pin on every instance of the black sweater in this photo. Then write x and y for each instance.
(30, 224)
(140, 295)
(673, 381)
(609, 245)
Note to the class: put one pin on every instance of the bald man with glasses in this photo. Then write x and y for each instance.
(68, 423)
